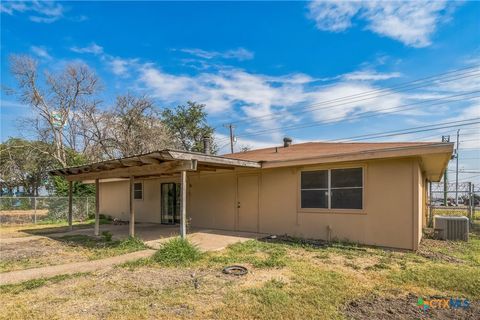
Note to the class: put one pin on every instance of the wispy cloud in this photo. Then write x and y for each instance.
(411, 22)
(256, 96)
(370, 75)
(238, 54)
(41, 52)
(93, 48)
(39, 11)
(120, 67)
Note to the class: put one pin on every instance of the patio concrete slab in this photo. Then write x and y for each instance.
(216, 240)
(154, 235)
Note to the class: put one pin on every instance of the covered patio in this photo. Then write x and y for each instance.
(154, 234)
(153, 165)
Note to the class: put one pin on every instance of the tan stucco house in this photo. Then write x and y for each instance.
(370, 193)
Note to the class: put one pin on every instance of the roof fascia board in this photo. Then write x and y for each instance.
(364, 155)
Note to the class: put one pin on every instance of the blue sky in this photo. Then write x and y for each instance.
(269, 65)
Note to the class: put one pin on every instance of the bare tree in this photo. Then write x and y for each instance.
(137, 127)
(56, 101)
(66, 114)
(131, 127)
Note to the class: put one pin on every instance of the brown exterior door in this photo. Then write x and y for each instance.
(247, 203)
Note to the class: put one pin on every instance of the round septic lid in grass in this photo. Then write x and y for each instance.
(235, 270)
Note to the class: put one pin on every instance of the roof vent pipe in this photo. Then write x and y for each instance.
(287, 142)
(206, 145)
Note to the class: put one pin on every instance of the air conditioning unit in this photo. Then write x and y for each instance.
(451, 228)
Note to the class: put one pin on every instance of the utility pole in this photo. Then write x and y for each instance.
(445, 177)
(456, 171)
(232, 137)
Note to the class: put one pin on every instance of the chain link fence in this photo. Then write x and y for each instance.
(25, 210)
(447, 199)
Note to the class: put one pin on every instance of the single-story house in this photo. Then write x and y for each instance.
(369, 193)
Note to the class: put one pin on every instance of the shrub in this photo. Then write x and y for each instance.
(107, 236)
(132, 244)
(177, 252)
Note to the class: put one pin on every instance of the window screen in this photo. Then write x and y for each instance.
(138, 190)
(314, 189)
(343, 191)
(346, 188)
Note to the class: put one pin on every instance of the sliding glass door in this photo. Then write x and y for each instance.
(170, 203)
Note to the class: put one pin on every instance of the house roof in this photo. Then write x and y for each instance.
(434, 156)
(321, 149)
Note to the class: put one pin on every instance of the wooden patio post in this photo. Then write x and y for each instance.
(132, 210)
(97, 207)
(183, 205)
(70, 205)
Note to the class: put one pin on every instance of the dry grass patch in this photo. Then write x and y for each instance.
(68, 249)
(284, 282)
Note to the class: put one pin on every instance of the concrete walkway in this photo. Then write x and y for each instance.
(71, 268)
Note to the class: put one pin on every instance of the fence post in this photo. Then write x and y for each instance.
(430, 203)
(35, 210)
(471, 202)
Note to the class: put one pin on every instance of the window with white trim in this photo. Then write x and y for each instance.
(332, 189)
(138, 191)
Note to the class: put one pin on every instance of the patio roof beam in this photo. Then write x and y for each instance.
(203, 166)
(149, 160)
(150, 169)
(213, 160)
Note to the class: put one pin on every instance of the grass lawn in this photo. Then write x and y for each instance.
(60, 250)
(285, 281)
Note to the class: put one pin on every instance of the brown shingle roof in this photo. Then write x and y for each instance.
(319, 149)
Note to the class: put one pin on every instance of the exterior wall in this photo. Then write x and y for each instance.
(386, 220)
(212, 200)
(391, 217)
(114, 200)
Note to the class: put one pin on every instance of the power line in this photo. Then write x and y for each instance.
(389, 91)
(469, 178)
(443, 125)
(465, 171)
(366, 114)
(422, 138)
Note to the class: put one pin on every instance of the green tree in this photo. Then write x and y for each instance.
(188, 125)
(24, 164)
(59, 185)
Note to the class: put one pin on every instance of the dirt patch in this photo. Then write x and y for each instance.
(431, 249)
(404, 308)
(36, 253)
